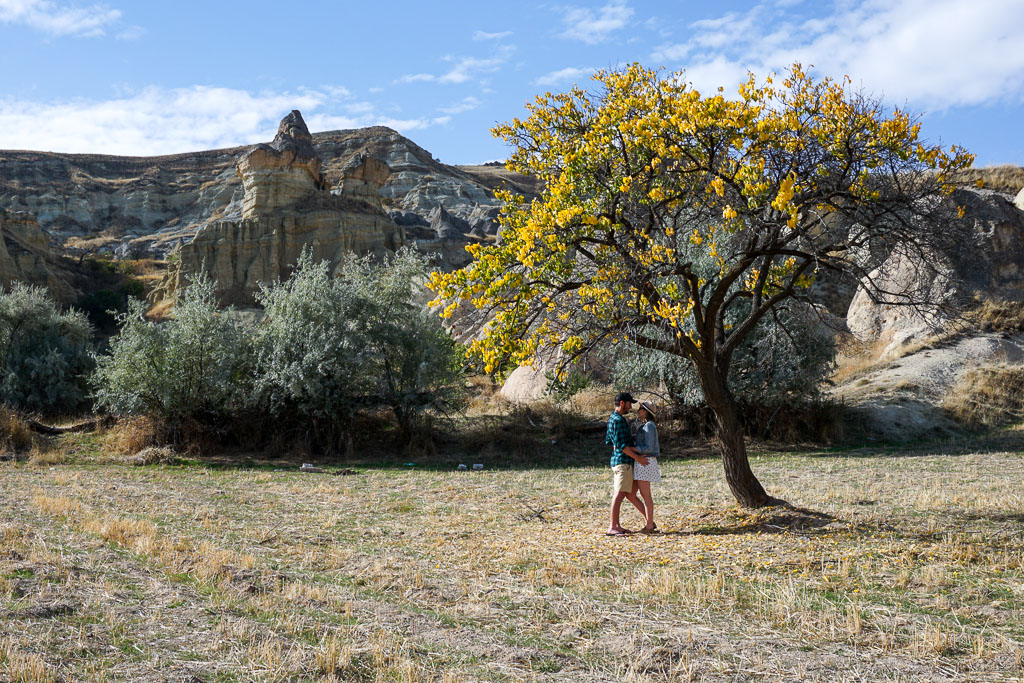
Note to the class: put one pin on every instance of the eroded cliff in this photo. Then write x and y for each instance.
(150, 205)
(287, 207)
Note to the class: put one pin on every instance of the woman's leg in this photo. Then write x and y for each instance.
(636, 501)
(645, 491)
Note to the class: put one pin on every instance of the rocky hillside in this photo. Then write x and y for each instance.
(148, 205)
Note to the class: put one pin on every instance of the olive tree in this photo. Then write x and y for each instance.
(329, 345)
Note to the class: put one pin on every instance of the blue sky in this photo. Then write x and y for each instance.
(160, 76)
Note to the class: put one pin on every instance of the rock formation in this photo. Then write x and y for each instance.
(287, 207)
(990, 266)
(25, 256)
(278, 176)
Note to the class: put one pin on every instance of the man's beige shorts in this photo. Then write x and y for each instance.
(623, 478)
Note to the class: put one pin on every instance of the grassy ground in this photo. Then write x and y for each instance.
(907, 565)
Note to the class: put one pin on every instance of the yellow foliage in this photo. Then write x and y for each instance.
(647, 186)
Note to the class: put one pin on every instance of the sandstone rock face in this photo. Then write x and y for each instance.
(445, 225)
(287, 209)
(362, 178)
(282, 174)
(990, 266)
(25, 256)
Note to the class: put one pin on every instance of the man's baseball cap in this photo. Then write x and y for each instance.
(624, 396)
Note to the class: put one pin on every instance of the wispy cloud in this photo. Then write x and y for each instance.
(569, 74)
(466, 104)
(484, 35)
(158, 120)
(464, 69)
(932, 53)
(594, 26)
(417, 78)
(60, 19)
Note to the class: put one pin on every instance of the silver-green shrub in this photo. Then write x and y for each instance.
(329, 345)
(195, 366)
(45, 352)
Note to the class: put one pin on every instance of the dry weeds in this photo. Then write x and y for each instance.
(15, 434)
(907, 566)
(989, 396)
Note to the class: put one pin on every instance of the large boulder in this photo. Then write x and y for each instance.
(988, 264)
(525, 384)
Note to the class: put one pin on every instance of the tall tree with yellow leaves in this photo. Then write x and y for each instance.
(666, 211)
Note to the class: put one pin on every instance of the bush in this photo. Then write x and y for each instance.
(104, 306)
(326, 347)
(15, 434)
(331, 345)
(195, 367)
(45, 352)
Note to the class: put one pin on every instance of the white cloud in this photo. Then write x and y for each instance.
(484, 35)
(167, 121)
(59, 19)
(931, 53)
(414, 78)
(465, 69)
(590, 26)
(466, 104)
(569, 74)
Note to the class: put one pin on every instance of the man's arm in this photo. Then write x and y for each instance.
(635, 454)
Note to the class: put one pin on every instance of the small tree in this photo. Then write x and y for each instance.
(46, 353)
(196, 366)
(680, 221)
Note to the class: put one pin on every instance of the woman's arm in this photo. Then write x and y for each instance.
(640, 440)
(647, 439)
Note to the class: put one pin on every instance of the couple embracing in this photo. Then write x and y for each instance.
(634, 462)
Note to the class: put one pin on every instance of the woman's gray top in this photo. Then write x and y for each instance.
(647, 439)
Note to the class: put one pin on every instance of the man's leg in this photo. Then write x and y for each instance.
(617, 497)
(622, 486)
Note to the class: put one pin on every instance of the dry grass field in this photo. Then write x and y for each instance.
(905, 565)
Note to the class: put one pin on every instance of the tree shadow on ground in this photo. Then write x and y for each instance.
(775, 520)
(998, 517)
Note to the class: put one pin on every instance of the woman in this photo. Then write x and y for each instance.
(645, 475)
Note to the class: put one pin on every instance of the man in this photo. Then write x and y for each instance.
(624, 453)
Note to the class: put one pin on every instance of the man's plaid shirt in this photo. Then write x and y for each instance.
(618, 437)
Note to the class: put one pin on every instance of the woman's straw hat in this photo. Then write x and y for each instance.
(646, 405)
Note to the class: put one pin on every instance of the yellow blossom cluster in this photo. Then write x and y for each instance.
(650, 190)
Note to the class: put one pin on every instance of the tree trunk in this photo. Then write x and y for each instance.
(729, 429)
